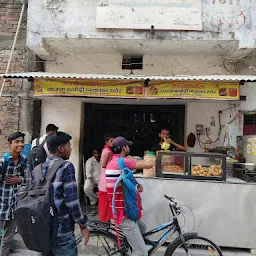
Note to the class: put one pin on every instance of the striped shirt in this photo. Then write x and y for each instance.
(112, 173)
(65, 197)
(9, 193)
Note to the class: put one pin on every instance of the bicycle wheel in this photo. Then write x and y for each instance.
(99, 244)
(197, 246)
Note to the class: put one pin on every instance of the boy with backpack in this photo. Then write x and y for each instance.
(39, 148)
(47, 216)
(131, 227)
(12, 174)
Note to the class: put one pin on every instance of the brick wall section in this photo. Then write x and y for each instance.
(17, 65)
(10, 105)
(9, 120)
(9, 17)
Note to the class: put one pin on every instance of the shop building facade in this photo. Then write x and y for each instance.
(209, 43)
(77, 37)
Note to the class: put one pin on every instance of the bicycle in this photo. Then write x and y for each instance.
(103, 239)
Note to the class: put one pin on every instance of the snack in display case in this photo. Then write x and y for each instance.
(213, 170)
(173, 168)
(185, 165)
(172, 164)
(208, 166)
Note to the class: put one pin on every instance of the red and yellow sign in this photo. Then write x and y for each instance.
(194, 90)
(93, 88)
(135, 89)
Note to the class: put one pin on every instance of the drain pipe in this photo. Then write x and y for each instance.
(13, 46)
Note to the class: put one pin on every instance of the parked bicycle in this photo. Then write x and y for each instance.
(103, 239)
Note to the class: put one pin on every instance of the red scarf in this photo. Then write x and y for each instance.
(109, 148)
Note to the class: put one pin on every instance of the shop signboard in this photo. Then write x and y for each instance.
(142, 14)
(90, 88)
(135, 89)
(194, 90)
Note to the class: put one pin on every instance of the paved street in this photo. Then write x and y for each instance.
(22, 251)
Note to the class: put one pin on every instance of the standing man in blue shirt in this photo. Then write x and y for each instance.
(65, 197)
(12, 174)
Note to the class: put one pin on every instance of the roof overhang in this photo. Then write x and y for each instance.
(46, 75)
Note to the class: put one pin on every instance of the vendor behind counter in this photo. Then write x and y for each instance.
(164, 136)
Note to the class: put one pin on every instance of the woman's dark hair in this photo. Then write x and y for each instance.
(15, 136)
(107, 137)
(57, 139)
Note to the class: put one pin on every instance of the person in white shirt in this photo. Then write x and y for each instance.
(92, 172)
(50, 129)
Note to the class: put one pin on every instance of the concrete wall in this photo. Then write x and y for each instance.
(249, 89)
(66, 114)
(201, 113)
(222, 20)
(152, 64)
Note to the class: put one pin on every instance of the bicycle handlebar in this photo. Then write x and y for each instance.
(169, 198)
(173, 205)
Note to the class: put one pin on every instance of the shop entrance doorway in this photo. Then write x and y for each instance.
(139, 123)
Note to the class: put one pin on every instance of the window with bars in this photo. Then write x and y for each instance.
(132, 62)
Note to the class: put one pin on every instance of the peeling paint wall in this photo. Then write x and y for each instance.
(222, 20)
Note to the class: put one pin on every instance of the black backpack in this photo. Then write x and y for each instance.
(36, 213)
(37, 155)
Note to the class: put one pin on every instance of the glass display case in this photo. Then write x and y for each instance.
(202, 166)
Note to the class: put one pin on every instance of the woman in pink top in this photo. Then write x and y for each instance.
(106, 156)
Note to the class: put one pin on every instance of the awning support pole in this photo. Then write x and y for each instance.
(13, 47)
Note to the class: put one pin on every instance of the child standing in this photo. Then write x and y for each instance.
(106, 156)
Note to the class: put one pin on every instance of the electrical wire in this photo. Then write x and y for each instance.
(184, 67)
(221, 126)
(200, 142)
(251, 67)
(224, 65)
(184, 219)
(194, 219)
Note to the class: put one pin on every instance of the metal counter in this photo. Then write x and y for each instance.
(225, 212)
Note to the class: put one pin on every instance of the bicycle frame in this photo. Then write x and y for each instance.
(97, 225)
(172, 226)
(172, 229)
